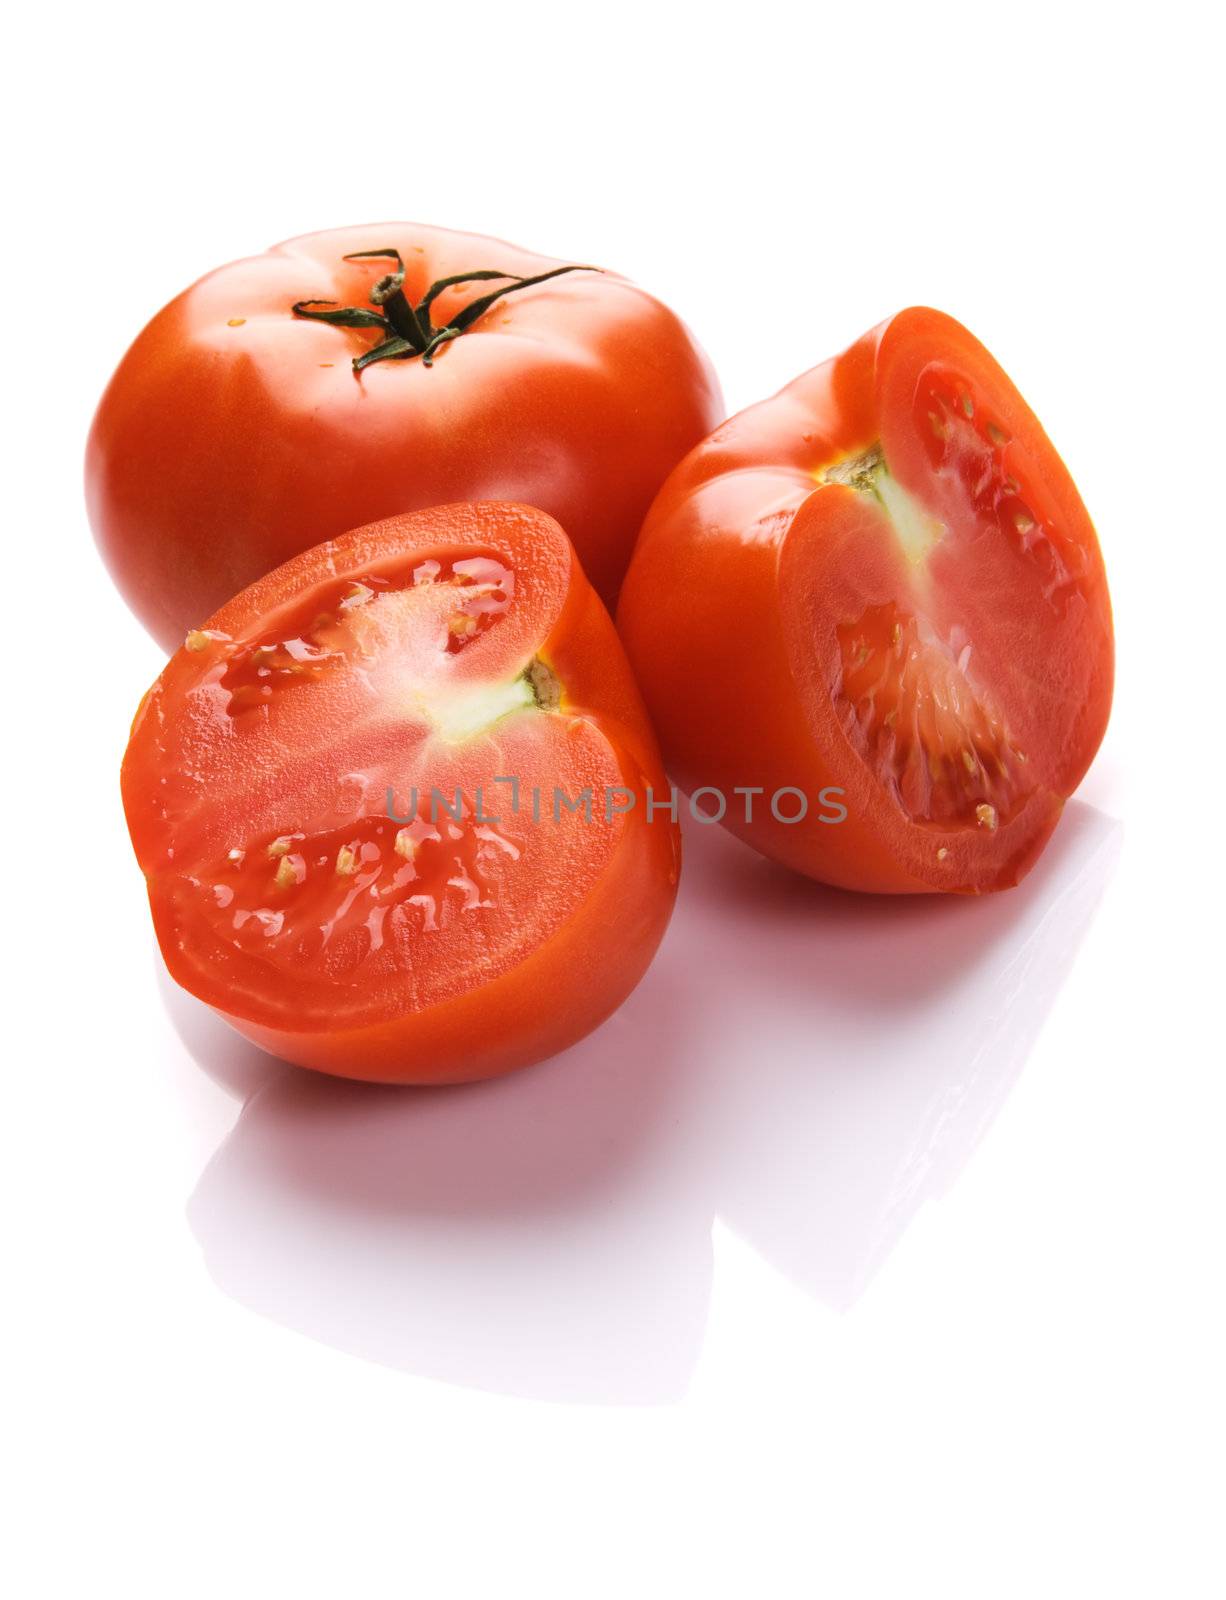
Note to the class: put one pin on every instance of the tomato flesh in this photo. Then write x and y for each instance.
(342, 791)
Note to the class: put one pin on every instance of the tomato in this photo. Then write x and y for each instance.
(882, 583)
(358, 797)
(277, 402)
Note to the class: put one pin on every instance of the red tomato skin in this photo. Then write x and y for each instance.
(234, 435)
(713, 645)
(569, 984)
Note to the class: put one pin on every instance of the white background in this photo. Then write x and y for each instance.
(888, 1262)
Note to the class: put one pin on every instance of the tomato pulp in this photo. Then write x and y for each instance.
(881, 580)
(358, 797)
(348, 376)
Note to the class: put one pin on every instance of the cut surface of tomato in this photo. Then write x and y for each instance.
(382, 803)
(882, 580)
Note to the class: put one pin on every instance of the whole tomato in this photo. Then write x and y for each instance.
(392, 803)
(351, 375)
(871, 614)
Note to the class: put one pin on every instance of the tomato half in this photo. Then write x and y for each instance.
(330, 383)
(882, 582)
(358, 797)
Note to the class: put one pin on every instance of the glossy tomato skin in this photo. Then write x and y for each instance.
(754, 555)
(192, 771)
(234, 434)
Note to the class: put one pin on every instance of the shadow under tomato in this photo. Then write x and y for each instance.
(807, 1065)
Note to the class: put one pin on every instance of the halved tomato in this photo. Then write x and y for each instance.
(881, 582)
(391, 803)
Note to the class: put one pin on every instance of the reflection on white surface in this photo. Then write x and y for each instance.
(810, 1066)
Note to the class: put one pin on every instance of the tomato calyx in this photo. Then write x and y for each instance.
(407, 329)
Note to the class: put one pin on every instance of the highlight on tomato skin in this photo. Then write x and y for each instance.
(357, 373)
(881, 579)
(357, 795)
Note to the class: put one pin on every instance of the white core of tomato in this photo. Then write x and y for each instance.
(461, 711)
(916, 529)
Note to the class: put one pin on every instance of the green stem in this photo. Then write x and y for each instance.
(407, 329)
(388, 292)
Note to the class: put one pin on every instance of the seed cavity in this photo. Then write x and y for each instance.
(936, 738)
(364, 892)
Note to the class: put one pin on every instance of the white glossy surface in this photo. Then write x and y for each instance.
(550, 1236)
(873, 1249)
